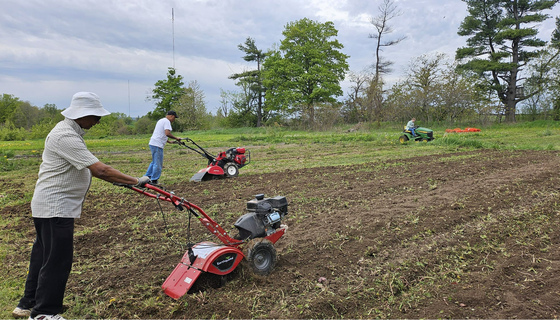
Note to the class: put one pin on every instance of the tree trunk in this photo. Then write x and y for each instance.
(510, 97)
(259, 110)
(556, 110)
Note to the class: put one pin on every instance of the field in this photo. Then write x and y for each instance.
(463, 227)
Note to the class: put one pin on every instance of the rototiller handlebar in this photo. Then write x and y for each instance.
(181, 204)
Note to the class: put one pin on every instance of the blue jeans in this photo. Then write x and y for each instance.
(154, 170)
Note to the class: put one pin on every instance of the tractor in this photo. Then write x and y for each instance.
(422, 134)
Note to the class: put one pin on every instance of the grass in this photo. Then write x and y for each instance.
(277, 150)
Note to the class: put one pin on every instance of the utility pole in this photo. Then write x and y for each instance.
(173, 34)
(129, 98)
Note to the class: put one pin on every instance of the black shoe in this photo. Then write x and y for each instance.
(154, 182)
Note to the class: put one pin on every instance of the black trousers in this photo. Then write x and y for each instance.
(49, 266)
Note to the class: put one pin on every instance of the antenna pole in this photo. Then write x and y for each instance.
(129, 98)
(173, 31)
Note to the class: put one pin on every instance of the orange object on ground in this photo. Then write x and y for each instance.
(460, 130)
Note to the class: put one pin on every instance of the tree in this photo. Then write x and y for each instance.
(8, 104)
(191, 109)
(374, 99)
(306, 70)
(387, 11)
(423, 81)
(355, 108)
(242, 112)
(555, 70)
(50, 114)
(166, 93)
(24, 115)
(502, 40)
(253, 78)
(434, 90)
(544, 79)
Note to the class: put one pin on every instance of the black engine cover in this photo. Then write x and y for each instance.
(250, 226)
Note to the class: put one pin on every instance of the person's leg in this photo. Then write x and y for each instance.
(35, 264)
(150, 170)
(57, 236)
(157, 155)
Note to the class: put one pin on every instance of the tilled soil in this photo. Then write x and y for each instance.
(464, 235)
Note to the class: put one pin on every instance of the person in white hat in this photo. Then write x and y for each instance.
(64, 179)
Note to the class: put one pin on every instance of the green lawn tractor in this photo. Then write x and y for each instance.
(422, 134)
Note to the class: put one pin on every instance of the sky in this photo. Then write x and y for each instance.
(119, 49)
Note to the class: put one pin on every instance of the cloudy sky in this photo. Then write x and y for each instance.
(50, 49)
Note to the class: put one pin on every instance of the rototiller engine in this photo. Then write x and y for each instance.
(225, 164)
(258, 230)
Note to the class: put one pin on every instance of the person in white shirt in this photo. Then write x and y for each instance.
(411, 126)
(160, 137)
(64, 179)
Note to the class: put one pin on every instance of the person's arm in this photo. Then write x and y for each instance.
(170, 135)
(108, 173)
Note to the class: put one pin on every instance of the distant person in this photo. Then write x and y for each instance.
(63, 181)
(411, 126)
(160, 136)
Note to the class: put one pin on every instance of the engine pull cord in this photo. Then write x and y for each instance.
(168, 233)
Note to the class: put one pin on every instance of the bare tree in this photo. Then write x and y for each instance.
(387, 11)
(354, 105)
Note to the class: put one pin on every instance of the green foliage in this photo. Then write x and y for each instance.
(306, 70)
(499, 45)
(8, 132)
(19, 120)
(240, 118)
(434, 90)
(8, 104)
(144, 125)
(191, 110)
(166, 94)
(112, 125)
(460, 141)
(41, 130)
(251, 83)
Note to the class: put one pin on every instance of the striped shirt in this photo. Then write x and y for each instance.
(64, 177)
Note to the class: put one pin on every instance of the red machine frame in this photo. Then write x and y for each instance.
(219, 259)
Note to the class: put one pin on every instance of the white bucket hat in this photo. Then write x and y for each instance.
(85, 104)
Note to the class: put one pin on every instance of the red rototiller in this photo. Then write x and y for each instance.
(258, 230)
(225, 164)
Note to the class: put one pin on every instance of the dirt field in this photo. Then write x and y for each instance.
(465, 235)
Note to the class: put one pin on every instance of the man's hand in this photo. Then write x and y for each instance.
(142, 181)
